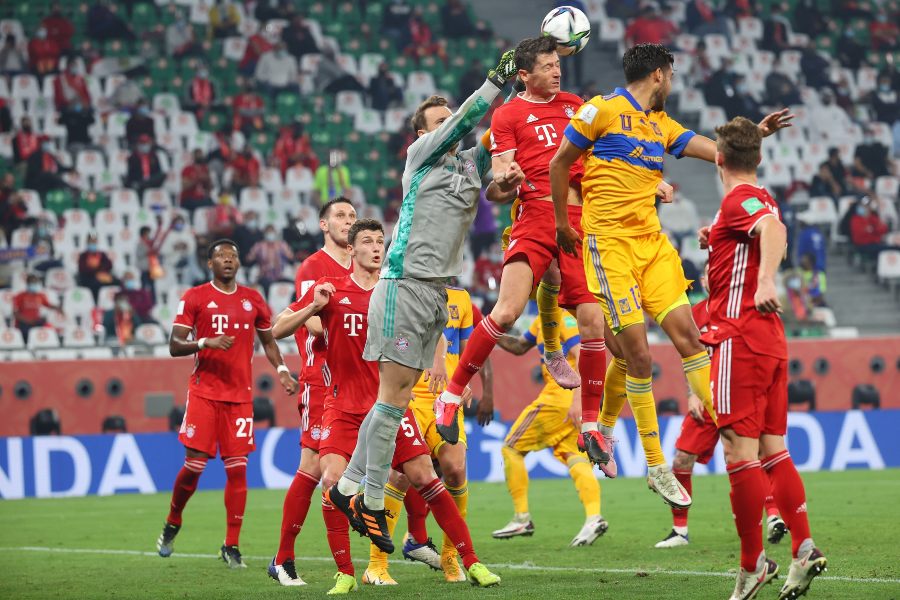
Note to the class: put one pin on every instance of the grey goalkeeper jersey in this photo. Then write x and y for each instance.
(440, 196)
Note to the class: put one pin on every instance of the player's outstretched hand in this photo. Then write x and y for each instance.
(323, 294)
(220, 342)
(467, 397)
(696, 408)
(288, 383)
(505, 69)
(775, 121)
(484, 412)
(568, 239)
(766, 297)
(703, 237)
(665, 192)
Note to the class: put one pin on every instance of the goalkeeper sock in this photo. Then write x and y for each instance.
(551, 316)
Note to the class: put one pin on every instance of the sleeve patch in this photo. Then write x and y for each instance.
(180, 310)
(588, 113)
(752, 206)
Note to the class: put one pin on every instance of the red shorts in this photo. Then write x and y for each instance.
(211, 423)
(311, 406)
(749, 390)
(340, 429)
(533, 239)
(699, 439)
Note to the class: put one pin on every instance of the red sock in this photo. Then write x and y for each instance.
(748, 494)
(771, 505)
(337, 528)
(790, 496)
(416, 513)
(235, 497)
(478, 348)
(293, 514)
(185, 486)
(592, 368)
(448, 518)
(680, 515)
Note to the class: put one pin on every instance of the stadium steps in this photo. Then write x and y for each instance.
(857, 300)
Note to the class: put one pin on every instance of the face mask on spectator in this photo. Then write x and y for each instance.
(40, 33)
(271, 236)
(132, 284)
(861, 211)
(123, 306)
(884, 88)
(91, 247)
(47, 147)
(202, 73)
(251, 223)
(77, 107)
(144, 148)
(34, 288)
(178, 226)
(144, 111)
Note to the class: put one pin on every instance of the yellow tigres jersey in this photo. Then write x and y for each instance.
(459, 328)
(623, 162)
(568, 338)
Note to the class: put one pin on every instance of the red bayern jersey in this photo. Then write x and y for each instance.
(312, 348)
(700, 311)
(534, 130)
(354, 381)
(734, 257)
(223, 375)
(477, 317)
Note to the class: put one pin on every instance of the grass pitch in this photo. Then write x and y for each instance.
(104, 547)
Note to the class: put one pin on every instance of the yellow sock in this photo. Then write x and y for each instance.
(640, 396)
(614, 395)
(588, 488)
(516, 478)
(393, 506)
(551, 315)
(696, 369)
(461, 498)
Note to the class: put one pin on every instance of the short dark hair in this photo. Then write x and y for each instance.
(211, 249)
(417, 121)
(323, 212)
(640, 61)
(739, 141)
(143, 230)
(363, 225)
(528, 50)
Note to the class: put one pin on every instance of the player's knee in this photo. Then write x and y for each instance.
(454, 474)
(419, 472)
(505, 314)
(683, 461)
(640, 363)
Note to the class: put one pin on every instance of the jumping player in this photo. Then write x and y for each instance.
(746, 243)
(223, 317)
(332, 260)
(342, 305)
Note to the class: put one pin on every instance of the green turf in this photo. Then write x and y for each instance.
(855, 520)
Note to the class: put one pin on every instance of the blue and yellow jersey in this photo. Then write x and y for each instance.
(459, 328)
(568, 338)
(623, 162)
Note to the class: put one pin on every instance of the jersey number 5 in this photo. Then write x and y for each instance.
(407, 428)
(245, 429)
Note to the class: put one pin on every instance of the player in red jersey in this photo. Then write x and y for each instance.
(526, 132)
(696, 443)
(342, 303)
(224, 318)
(332, 260)
(749, 364)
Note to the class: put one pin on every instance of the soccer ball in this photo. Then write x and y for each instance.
(569, 27)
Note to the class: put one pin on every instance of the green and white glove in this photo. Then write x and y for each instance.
(504, 70)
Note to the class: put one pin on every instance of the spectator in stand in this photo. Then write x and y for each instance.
(272, 255)
(140, 123)
(277, 72)
(43, 171)
(829, 112)
(200, 95)
(472, 79)
(702, 68)
(484, 227)
(455, 21)
(422, 41)
(331, 77)
(77, 119)
(13, 210)
(824, 184)
(246, 233)
(94, 267)
(781, 90)
(701, 19)
(103, 23)
(813, 23)
(224, 20)
(43, 54)
(180, 40)
(815, 67)
(121, 322)
(144, 170)
(12, 60)
(222, 153)
(302, 239)
(90, 55)
(266, 10)
(249, 109)
(27, 306)
(332, 180)
(59, 27)
(871, 158)
(25, 142)
(486, 284)
(384, 91)
(196, 183)
(298, 39)
(867, 230)
(850, 50)
(776, 30)
(147, 257)
(740, 103)
(884, 32)
(293, 147)
(885, 101)
(245, 170)
(650, 28)
(223, 218)
(179, 248)
(140, 298)
(5, 117)
(837, 173)
(127, 96)
(814, 281)
(44, 259)
(70, 88)
(395, 22)
(810, 241)
(260, 43)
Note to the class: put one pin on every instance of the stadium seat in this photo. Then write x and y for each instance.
(309, 63)
(612, 31)
(42, 337)
(125, 202)
(349, 103)
(821, 211)
(78, 301)
(888, 267)
(395, 120)
(270, 180)
(299, 179)
(77, 222)
(711, 117)
(887, 186)
(78, 336)
(253, 199)
(184, 124)
(21, 237)
(368, 121)
(164, 315)
(90, 162)
(368, 66)
(25, 87)
(157, 197)
(59, 279)
(280, 295)
(98, 353)
(11, 339)
(776, 174)
(421, 82)
(106, 297)
(107, 222)
(751, 27)
(166, 103)
(150, 334)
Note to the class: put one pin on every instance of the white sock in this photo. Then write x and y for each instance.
(449, 398)
(589, 426)
(680, 530)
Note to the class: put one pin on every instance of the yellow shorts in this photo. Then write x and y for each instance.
(630, 275)
(543, 425)
(424, 413)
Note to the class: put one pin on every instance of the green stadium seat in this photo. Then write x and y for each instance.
(93, 201)
(58, 201)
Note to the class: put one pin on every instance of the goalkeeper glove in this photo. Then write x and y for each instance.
(505, 69)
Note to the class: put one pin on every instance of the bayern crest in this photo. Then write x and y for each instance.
(316, 432)
(402, 344)
(326, 432)
(569, 110)
(247, 306)
(189, 431)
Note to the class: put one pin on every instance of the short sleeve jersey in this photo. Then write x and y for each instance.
(568, 338)
(223, 375)
(534, 131)
(353, 381)
(312, 349)
(459, 329)
(734, 258)
(623, 148)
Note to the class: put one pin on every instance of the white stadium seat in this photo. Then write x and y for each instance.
(368, 121)
(78, 336)
(299, 179)
(888, 268)
(349, 103)
(42, 337)
(150, 334)
(78, 300)
(821, 211)
(280, 295)
(90, 162)
(25, 87)
(253, 199)
(11, 339)
(270, 180)
(59, 279)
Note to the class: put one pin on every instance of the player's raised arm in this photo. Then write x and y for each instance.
(704, 148)
(289, 321)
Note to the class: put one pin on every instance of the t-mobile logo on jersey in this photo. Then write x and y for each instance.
(353, 323)
(546, 133)
(220, 323)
